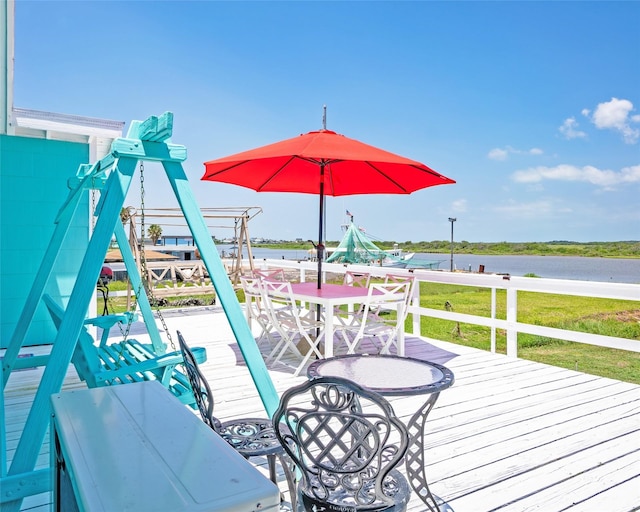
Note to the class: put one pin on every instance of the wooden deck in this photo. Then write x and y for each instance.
(510, 435)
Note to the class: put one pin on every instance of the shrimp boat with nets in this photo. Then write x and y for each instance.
(357, 248)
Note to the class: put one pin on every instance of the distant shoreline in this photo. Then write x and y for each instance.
(622, 249)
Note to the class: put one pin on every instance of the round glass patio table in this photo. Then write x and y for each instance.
(396, 376)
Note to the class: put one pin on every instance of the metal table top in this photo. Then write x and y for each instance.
(386, 374)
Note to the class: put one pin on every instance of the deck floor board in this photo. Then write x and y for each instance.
(511, 435)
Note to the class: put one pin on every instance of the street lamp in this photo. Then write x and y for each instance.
(452, 220)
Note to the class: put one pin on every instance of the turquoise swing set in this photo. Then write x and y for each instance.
(128, 361)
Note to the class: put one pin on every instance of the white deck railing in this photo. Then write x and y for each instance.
(494, 282)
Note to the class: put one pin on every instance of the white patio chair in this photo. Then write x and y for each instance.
(299, 330)
(352, 278)
(375, 320)
(256, 309)
(395, 278)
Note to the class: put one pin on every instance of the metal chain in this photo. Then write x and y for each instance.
(143, 263)
(110, 302)
(124, 332)
(93, 205)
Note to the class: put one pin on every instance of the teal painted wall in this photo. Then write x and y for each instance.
(33, 187)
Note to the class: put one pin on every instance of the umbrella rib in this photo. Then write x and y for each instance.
(222, 171)
(278, 171)
(291, 159)
(400, 187)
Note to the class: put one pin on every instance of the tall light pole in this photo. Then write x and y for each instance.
(452, 220)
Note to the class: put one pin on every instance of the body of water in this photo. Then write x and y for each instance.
(612, 270)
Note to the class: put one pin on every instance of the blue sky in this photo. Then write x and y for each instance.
(532, 107)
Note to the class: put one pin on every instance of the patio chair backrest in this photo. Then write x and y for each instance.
(358, 279)
(255, 306)
(251, 286)
(411, 280)
(201, 389)
(395, 278)
(284, 310)
(386, 296)
(345, 440)
(278, 294)
(272, 274)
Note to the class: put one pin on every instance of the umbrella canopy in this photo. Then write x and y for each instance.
(323, 162)
(350, 167)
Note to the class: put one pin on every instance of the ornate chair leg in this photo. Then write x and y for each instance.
(272, 468)
(290, 475)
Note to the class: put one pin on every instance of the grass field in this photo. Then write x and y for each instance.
(583, 314)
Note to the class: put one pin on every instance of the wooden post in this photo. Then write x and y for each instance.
(512, 317)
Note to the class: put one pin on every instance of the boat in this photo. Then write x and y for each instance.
(357, 248)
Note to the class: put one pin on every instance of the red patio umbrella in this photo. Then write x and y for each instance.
(325, 163)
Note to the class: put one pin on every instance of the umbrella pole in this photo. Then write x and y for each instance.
(320, 248)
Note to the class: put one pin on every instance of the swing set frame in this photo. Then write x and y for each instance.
(112, 175)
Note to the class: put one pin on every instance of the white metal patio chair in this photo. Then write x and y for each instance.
(300, 331)
(376, 319)
(352, 278)
(256, 309)
(395, 278)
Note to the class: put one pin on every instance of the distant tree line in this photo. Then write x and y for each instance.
(622, 249)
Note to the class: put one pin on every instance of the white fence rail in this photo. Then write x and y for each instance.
(511, 284)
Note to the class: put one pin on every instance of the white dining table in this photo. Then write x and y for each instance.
(330, 296)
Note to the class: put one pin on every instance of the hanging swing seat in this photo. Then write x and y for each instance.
(126, 361)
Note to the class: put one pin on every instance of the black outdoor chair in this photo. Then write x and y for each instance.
(346, 442)
(251, 437)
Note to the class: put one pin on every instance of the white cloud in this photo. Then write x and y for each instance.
(604, 178)
(631, 174)
(616, 115)
(498, 154)
(460, 205)
(502, 154)
(569, 128)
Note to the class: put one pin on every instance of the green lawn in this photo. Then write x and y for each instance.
(584, 314)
